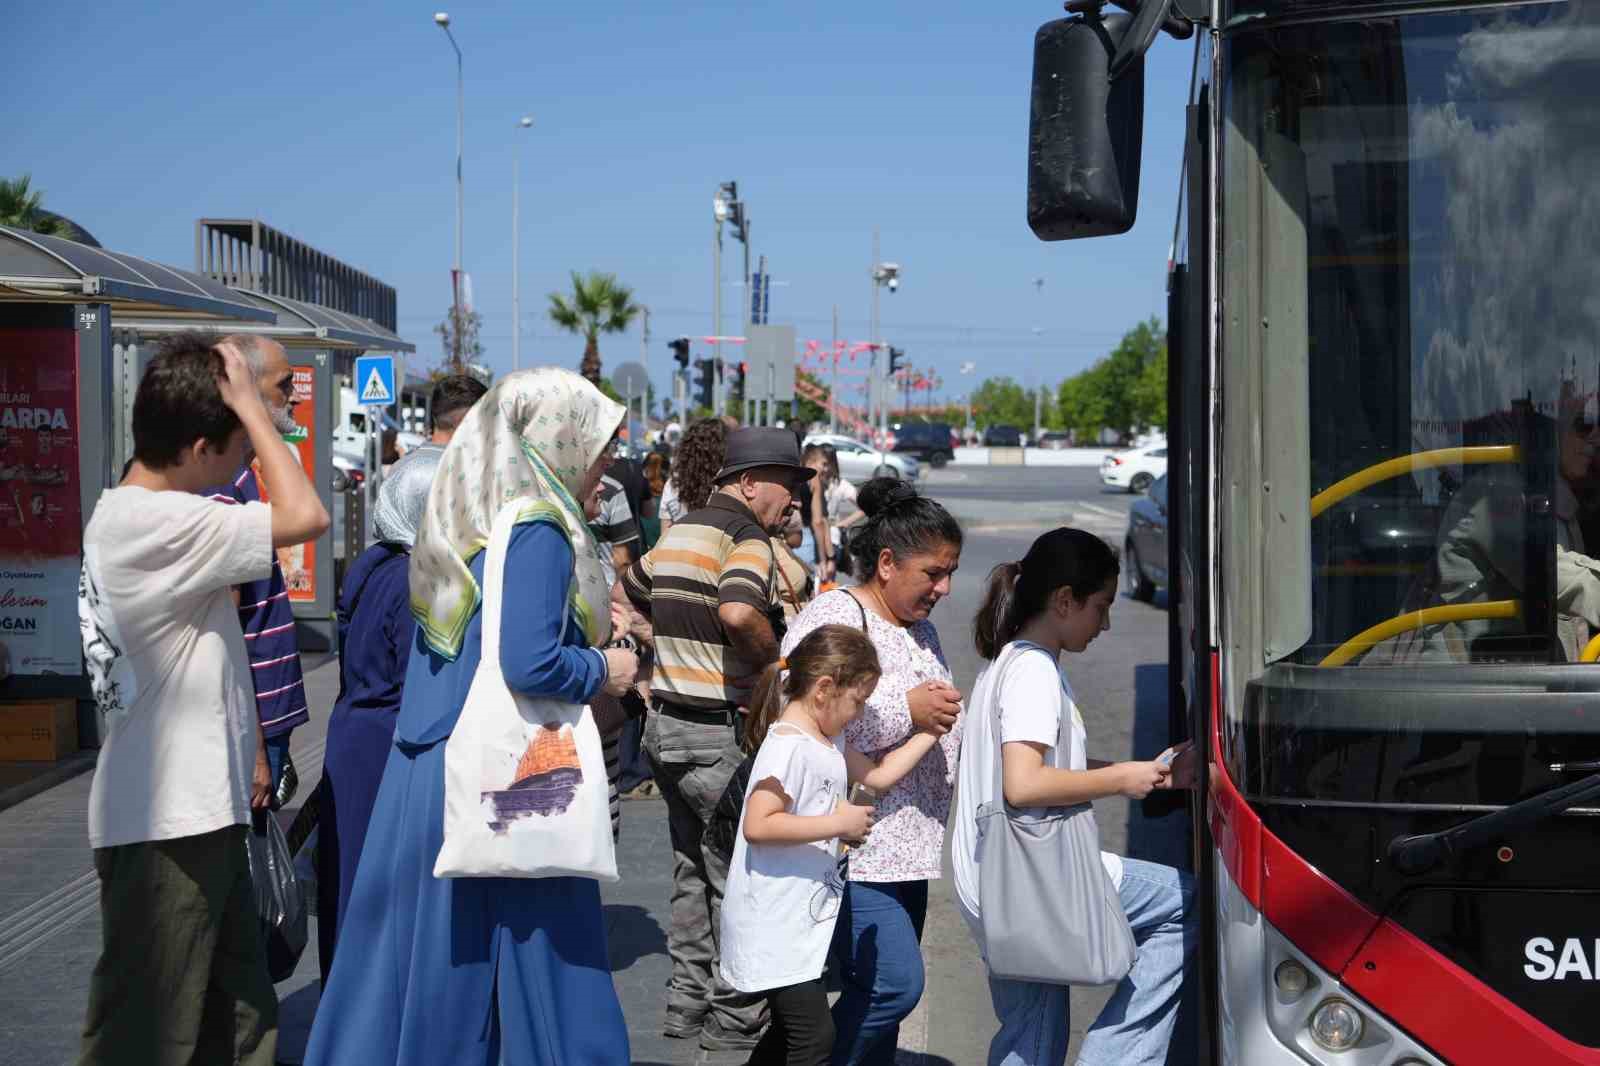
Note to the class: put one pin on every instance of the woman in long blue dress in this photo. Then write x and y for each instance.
(376, 632)
(471, 971)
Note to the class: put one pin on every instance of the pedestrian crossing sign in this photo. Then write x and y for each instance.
(375, 380)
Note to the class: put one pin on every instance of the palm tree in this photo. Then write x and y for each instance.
(598, 304)
(19, 209)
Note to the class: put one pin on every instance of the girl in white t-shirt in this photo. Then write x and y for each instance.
(1058, 599)
(785, 879)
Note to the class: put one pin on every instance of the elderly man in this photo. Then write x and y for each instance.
(265, 614)
(714, 569)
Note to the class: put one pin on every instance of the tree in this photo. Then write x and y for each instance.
(1001, 401)
(20, 209)
(458, 356)
(1124, 392)
(598, 304)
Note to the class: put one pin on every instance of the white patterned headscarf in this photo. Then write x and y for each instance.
(403, 497)
(533, 436)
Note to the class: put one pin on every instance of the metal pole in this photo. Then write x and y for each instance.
(516, 261)
(716, 315)
(833, 387)
(644, 361)
(460, 142)
(873, 390)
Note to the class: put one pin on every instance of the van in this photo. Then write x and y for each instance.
(929, 442)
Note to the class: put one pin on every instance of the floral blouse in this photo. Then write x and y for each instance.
(907, 841)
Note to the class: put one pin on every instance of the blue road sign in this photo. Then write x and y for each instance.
(375, 381)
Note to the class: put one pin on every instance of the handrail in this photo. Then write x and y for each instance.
(1455, 612)
(1405, 464)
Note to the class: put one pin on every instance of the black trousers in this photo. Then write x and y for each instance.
(801, 1033)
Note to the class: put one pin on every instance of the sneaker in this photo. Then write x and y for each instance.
(683, 1026)
(643, 791)
(715, 1038)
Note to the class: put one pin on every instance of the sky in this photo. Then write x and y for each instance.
(337, 124)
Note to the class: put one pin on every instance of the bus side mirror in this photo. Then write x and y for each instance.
(1085, 130)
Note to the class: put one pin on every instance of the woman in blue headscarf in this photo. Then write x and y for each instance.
(476, 971)
(376, 631)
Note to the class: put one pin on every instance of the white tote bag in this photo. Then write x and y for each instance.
(524, 777)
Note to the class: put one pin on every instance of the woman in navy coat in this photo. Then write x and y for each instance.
(376, 631)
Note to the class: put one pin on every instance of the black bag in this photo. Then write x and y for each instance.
(280, 898)
(722, 827)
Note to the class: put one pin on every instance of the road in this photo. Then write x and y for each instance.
(49, 919)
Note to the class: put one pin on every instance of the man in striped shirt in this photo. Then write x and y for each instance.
(707, 589)
(265, 614)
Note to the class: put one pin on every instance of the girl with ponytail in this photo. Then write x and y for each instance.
(784, 884)
(1058, 599)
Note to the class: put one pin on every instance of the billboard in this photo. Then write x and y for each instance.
(299, 561)
(41, 520)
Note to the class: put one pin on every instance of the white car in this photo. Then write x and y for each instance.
(858, 462)
(1135, 469)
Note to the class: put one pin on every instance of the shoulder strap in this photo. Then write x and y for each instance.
(1008, 656)
(859, 607)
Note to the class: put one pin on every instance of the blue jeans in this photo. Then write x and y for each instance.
(277, 748)
(1135, 1028)
(878, 949)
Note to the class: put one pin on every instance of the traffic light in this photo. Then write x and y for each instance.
(704, 381)
(736, 217)
(738, 382)
(680, 351)
(895, 356)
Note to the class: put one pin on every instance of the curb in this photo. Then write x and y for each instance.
(63, 771)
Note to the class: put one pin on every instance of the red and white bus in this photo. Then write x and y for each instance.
(1384, 498)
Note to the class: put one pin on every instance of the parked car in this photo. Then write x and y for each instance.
(1056, 440)
(1002, 437)
(1135, 469)
(858, 463)
(930, 442)
(1144, 549)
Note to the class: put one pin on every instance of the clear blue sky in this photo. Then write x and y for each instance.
(337, 124)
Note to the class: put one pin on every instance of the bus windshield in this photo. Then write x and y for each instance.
(1430, 178)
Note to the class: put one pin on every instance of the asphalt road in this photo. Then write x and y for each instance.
(49, 927)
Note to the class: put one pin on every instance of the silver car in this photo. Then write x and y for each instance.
(858, 462)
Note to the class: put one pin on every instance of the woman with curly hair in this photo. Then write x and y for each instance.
(695, 463)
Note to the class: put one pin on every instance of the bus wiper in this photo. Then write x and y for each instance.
(1422, 852)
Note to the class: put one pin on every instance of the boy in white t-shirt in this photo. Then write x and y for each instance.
(182, 975)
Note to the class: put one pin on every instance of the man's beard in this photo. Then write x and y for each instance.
(283, 419)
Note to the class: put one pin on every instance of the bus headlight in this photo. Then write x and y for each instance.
(1336, 1025)
(1291, 979)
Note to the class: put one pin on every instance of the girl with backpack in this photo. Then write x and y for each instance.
(786, 878)
(1058, 599)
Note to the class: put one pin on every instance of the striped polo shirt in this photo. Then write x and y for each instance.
(718, 554)
(267, 619)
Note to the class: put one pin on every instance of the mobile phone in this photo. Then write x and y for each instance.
(1166, 757)
(862, 796)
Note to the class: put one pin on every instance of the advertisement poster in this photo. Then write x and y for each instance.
(299, 562)
(41, 522)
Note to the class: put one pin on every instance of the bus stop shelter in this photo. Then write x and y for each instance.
(76, 328)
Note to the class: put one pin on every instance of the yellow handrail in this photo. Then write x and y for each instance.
(1455, 612)
(1405, 464)
(1591, 650)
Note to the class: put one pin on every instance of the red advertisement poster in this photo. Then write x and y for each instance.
(299, 562)
(41, 522)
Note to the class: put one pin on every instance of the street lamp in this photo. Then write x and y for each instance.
(883, 274)
(516, 258)
(721, 208)
(442, 19)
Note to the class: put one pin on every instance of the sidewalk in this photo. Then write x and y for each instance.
(50, 932)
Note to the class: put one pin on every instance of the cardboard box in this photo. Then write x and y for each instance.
(38, 730)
